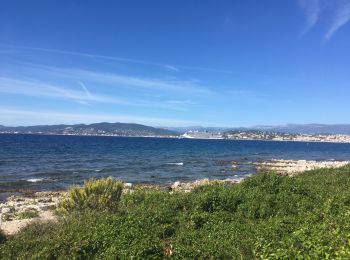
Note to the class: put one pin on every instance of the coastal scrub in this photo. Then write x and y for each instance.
(265, 216)
(27, 214)
(2, 236)
(102, 195)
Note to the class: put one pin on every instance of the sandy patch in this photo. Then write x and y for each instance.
(18, 211)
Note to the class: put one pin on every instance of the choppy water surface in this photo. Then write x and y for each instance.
(55, 162)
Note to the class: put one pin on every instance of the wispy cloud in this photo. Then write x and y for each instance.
(339, 10)
(171, 68)
(85, 96)
(87, 92)
(120, 59)
(312, 10)
(341, 17)
(15, 116)
(41, 89)
(182, 86)
(165, 85)
(180, 102)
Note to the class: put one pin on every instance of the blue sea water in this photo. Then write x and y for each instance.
(56, 162)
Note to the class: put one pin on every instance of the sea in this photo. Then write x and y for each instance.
(43, 162)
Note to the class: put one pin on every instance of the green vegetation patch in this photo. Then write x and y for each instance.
(2, 236)
(266, 216)
(100, 195)
(27, 214)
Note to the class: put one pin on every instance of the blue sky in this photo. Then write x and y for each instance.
(175, 63)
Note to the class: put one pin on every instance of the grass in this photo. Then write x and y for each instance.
(27, 214)
(266, 216)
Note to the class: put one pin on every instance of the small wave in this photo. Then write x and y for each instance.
(98, 170)
(35, 180)
(176, 163)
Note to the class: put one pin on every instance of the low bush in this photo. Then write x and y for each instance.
(27, 214)
(2, 236)
(103, 195)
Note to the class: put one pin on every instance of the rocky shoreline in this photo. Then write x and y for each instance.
(292, 167)
(19, 210)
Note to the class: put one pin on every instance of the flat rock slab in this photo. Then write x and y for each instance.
(292, 167)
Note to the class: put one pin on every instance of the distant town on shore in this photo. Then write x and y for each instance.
(302, 133)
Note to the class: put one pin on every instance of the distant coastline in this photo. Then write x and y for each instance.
(257, 135)
(345, 139)
(138, 130)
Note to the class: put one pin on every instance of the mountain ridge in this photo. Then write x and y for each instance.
(134, 129)
(103, 128)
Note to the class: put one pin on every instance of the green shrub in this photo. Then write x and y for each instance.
(264, 217)
(102, 195)
(29, 213)
(2, 236)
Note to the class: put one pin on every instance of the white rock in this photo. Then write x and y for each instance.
(6, 210)
(176, 185)
(291, 167)
(127, 185)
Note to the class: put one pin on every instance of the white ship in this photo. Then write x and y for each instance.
(202, 135)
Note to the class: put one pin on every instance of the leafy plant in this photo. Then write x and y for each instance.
(2, 236)
(29, 213)
(102, 194)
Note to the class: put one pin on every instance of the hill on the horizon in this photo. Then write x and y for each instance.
(131, 129)
(120, 129)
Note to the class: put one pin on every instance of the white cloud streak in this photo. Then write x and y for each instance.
(14, 117)
(87, 92)
(313, 9)
(175, 86)
(341, 17)
(171, 68)
(40, 89)
(83, 97)
(121, 59)
(123, 81)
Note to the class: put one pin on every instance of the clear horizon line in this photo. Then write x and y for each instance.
(188, 126)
